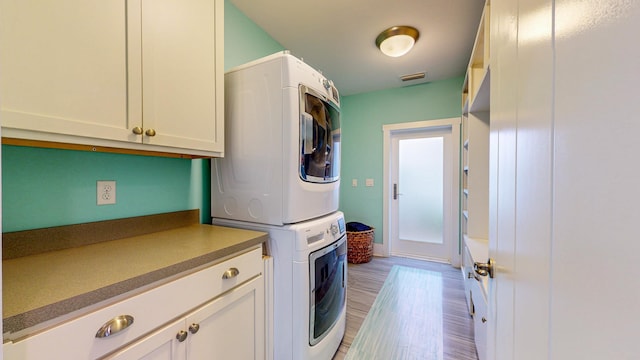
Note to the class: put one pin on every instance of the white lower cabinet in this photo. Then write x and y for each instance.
(476, 299)
(160, 345)
(468, 277)
(224, 301)
(228, 327)
(480, 322)
(231, 327)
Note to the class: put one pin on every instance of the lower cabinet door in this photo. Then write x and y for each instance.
(480, 322)
(229, 327)
(468, 277)
(162, 344)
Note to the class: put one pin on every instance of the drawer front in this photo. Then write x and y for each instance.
(149, 311)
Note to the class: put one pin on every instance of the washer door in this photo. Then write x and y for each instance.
(328, 290)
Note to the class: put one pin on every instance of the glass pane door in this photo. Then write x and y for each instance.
(420, 186)
(423, 180)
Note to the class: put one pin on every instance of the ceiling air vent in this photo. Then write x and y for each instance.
(415, 76)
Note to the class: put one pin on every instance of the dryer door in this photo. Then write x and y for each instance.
(319, 137)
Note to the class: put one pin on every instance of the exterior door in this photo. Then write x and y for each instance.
(422, 193)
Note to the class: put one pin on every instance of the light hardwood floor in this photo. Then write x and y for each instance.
(366, 280)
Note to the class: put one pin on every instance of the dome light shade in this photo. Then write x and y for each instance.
(397, 41)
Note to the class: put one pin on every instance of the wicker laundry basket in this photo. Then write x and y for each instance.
(360, 246)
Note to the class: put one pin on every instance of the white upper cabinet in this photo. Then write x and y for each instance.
(64, 67)
(183, 73)
(138, 74)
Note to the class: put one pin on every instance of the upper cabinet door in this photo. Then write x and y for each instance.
(182, 73)
(64, 67)
(132, 74)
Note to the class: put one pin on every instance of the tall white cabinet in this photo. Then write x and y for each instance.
(137, 74)
(564, 81)
(474, 216)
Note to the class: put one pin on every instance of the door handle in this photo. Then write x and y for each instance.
(395, 191)
(484, 269)
(306, 132)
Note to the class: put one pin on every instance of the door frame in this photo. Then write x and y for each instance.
(388, 131)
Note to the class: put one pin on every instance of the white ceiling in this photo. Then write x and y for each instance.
(338, 37)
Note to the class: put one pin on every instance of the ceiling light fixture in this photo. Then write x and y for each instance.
(397, 40)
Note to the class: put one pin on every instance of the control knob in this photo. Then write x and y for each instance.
(334, 229)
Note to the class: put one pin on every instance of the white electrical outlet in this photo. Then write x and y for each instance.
(106, 192)
(369, 182)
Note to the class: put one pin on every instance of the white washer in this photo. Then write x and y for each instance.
(310, 280)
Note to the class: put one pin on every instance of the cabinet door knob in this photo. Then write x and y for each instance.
(150, 132)
(182, 335)
(194, 328)
(231, 273)
(484, 319)
(137, 130)
(114, 326)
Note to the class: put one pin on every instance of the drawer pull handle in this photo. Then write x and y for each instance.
(114, 326)
(137, 130)
(231, 273)
(182, 335)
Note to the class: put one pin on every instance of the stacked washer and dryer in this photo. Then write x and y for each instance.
(281, 175)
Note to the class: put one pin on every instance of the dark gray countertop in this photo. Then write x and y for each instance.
(41, 287)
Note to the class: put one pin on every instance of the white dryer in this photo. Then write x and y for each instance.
(282, 132)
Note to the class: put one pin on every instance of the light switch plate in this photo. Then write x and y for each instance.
(354, 182)
(106, 192)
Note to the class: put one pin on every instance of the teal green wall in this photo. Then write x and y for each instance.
(244, 41)
(50, 187)
(363, 116)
